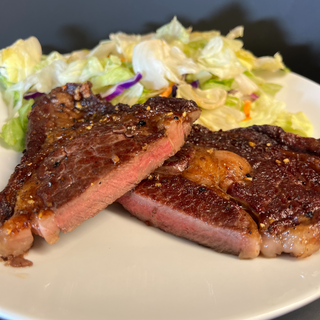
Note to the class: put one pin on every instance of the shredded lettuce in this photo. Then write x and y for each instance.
(219, 58)
(224, 118)
(173, 31)
(245, 85)
(129, 96)
(296, 123)
(113, 72)
(267, 87)
(223, 71)
(271, 88)
(264, 110)
(19, 60)
(103, 49)
(125, 43)
(146, 94)
(267, 110)
(13, 132)
(202, 76)
(73, 71)
(270, 63)
(207, 99)
(159, 63)
(214, 83)
(246, 58)
(237, 32)
(46, 60)
(234, 102)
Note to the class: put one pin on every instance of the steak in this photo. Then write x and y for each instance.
(187, 197)
(82, 153)
(243, 191)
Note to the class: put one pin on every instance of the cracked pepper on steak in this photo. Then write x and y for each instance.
(213, 190)
(82, 153)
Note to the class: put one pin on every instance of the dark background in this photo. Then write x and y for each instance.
(291, 27)
(288, 26)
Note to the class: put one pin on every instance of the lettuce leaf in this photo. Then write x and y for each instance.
(72, 72)
(125, 43)
(224, 118)
(76, 55)
(110, 78)
(264, 110)
(147, 93)
(219, 58)
(92, 68)
(297, 123)
(245, 85)
(271, 88)
(246, 58)
(129, 96)
(206, 99)
(43, 80)
(172, 31)
(214, 83)
(234, 102)
(236, 32)
(267, 110)
(13, 132)
(270, 63)
(266, 87)
(19, 60)
(159, 63)
(202, 76)
(103, 49)
(46, 60)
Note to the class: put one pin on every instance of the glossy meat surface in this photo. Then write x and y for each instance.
(266, 173)
(187, 197)
(282, 192)
(82, 154)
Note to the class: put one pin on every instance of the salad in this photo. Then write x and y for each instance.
(213, 70)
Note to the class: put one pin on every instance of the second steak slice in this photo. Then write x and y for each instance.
(82, 154)
(206, 192)
(187, 197)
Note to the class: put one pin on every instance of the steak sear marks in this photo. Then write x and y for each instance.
(273, 175)
(187, 197)
(82, 153)
(283, 187)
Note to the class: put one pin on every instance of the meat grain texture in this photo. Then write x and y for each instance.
(82, 153)
(245, 191)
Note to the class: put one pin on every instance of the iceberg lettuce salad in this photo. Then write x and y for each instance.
(213, 70)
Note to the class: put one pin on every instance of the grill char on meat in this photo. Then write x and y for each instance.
(187, 197)
(81, 154)
(279, 187)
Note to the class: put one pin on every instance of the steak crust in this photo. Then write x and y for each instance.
(82, 153)
(283, 190)
(187, 197)
(279, 188)
(189, 210)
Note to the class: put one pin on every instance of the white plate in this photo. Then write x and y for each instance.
(114, 267)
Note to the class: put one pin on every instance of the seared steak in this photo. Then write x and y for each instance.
(187, 197)
(202, 192)
(82, 153)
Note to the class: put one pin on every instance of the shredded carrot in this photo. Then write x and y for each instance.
(167, 92)
(246, 110)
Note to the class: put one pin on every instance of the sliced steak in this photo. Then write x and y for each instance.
(82, 153)
(273, 175)
(187, 197)
(283, 193)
